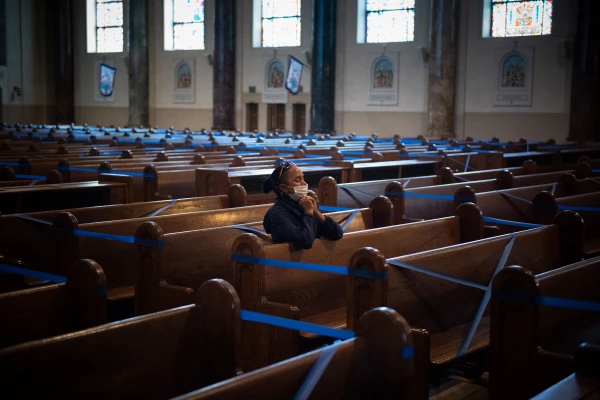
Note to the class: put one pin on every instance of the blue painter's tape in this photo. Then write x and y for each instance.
(116, 238)
(32, 274)
(596, 171)
(548, 301)
(408, 352)
(334, 209)
(11, 164)
(350, 219)
(578, 208)
(513, 196)
(155, 213)
(332, 269)
(511, 223)
(316, 372)
(35, 177)
(422, 196)
(102, 171)
(486, 299)
(253, 316)
(401, 264)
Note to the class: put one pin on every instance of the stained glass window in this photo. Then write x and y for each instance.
(109, 26)
(390, 21)
(281, 23)
(521, 18)
(188, 24)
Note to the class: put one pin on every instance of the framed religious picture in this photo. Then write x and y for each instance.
(274, 87)
(184, 85)
(383, 80)
(514, 77)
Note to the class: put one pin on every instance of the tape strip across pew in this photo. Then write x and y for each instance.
(327, 353)
(96, 235)
(332, 269)
(43, 276)
(103, 171)
(487, 289)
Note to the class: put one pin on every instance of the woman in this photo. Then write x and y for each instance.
(295, 216)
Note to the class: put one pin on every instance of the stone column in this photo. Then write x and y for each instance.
(139, 91)
(322, 92)
(443, 40)
(224, 66)
(585, 86)
(65, 82)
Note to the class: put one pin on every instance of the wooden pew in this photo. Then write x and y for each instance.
(320, 297)
(187, 259)
(56, 251)
(584, 383)
(545, 205)
(56, 309)
(154, 357)
(236, 197)
(441, 311)
(65, 195)
(210, 182)
(527, 337)
(368, 366)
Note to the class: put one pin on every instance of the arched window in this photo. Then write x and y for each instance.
(520, 18)
(105, 26)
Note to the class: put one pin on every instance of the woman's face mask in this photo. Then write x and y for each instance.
(299, 192)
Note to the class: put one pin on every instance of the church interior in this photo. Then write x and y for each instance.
(300, 199)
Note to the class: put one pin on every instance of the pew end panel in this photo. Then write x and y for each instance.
(211, 182)
(513, 343)
(237, 196)
(165, 354)
(365, 294)
(530, 335)
(383, 210)
(150, 262)
(328, 191)
(42, 312)
(471, 222)
(249, 282)
(129, 196)
(368, 366)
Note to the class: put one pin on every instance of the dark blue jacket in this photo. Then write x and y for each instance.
(288, 223)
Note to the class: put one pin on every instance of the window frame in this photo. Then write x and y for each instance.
(258, 20)
(487, 26)
(93, 27)
(363, 26)
(170, 23)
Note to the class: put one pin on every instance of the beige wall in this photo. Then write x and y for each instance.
(476, 76)
(30, 64)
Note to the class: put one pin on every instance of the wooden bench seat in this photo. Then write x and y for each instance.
(547, 337)
(190, 258)
(435, 307)
(56, 196)
(154, 357)
(368, 366)
(314, 296)
(56, 309)
(545, 205)
(119, 258)
(584, 383)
